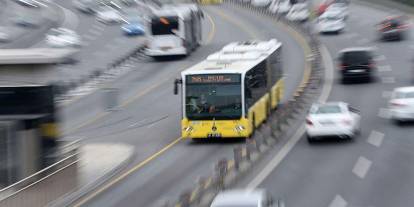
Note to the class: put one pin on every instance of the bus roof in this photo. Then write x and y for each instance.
(236, 57)
(180, 10)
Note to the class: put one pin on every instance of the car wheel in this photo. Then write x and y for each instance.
(398, 122)
(310, 139)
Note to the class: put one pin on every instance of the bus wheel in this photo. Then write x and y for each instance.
(253, 128)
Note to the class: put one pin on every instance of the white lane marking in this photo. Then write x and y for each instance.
(375, 138)
(338, 201)
(384, 113)
(387, 94)
(326, 90)
(388, 80)
(380, 58)
(361, 167)
(384, 68)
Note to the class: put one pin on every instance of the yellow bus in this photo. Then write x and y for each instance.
(229, 94)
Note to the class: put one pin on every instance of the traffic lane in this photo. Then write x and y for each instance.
(26, 37)
(177, 178)
(145, 73)
(321, 192)
(150, 140)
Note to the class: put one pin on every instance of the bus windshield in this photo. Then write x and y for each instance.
(214, 100)
(164, 25)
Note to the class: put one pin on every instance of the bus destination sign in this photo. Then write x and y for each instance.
(213, 78)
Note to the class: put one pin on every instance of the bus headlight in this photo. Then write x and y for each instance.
(188, 129)
(240, 128)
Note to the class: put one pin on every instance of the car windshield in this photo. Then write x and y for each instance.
(402, 95)
(356, 57)
(327, 109)
(215, 100)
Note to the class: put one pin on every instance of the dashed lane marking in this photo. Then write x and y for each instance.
(362, 167)
(384, 68)
(338, 201)
(380, 58)
(388, 80)
(375, 138)
(384, 113)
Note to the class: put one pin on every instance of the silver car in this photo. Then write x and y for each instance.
(245, 198)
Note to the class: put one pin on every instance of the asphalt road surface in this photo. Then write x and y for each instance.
(375, 169)
(149, 115)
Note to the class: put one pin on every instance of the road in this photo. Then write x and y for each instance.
(103, 44)
(149, 116)
(376, 168)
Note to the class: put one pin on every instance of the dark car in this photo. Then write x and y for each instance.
(356, 63)
(393, 28)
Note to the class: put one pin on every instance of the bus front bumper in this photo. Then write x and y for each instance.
(166, 52)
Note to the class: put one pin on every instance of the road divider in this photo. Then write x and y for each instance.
(228, 170)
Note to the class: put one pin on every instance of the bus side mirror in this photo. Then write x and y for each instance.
(176, 82)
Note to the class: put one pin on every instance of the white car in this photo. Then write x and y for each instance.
(333, 119)
(109, 15)
(330, 23)
(338, 9)
(62, 37)
(245, 198)
(260, 3)
(298, 12)
(283, 6)
(401, 104)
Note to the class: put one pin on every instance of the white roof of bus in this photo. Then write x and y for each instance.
(236, 57)
(173, 11)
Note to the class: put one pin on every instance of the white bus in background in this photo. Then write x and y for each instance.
(174, 30)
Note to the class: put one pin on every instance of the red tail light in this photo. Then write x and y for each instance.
(309, 122)
(371, 65)
(342, 66)
(398, 104)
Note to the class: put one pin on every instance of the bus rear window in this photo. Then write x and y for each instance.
(164, 25)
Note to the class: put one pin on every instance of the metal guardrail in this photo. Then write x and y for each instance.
(227, 171)
(45, 185)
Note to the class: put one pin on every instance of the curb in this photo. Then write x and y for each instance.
(72, 197)
(228, 171)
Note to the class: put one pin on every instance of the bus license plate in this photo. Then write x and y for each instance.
(214, 135)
